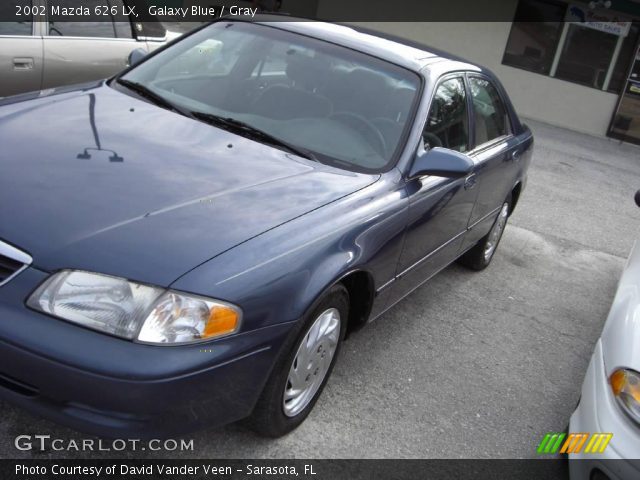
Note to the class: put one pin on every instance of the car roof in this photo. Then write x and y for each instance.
(403, 52)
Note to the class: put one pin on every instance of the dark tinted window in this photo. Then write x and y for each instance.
(448, 120)
(534, 35)
(109, 26)
(490, 114)
(8, 9)
(627, 52)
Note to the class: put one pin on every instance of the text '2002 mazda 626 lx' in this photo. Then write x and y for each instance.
(188, 243)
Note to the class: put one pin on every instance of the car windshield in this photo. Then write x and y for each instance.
(343, 107)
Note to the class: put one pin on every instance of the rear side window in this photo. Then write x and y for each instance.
(491, 117)
(448, 120)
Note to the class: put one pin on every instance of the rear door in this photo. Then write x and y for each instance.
(495, 152)
(20, 49)
(76, 51)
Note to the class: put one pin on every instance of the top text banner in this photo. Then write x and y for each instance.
(331, 10)
(123, 10)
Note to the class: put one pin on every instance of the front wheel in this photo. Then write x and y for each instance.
(479, 257)
(300, 375)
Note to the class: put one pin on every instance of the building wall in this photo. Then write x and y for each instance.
(535, 96)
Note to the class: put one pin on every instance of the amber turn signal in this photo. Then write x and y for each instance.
(222, 321)
(625, 385)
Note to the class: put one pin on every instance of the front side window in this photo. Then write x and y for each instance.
(448, 121)
(22, 29)
(345, 107)
(8, 9)
(490, 115)
(109, 26)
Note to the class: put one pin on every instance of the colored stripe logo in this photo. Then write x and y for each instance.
(553, 443)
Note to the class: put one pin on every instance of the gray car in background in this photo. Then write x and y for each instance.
(39, 53)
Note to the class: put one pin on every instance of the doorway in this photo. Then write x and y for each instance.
(625, 124)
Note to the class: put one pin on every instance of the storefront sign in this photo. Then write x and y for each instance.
(608, 22)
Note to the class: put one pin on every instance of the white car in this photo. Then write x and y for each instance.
(610, 400)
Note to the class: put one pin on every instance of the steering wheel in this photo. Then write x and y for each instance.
(432, 139)
(365, 128)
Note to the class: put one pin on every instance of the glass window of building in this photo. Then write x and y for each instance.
(577, 42)
(621, 69)
(586, 56)
(532, 43)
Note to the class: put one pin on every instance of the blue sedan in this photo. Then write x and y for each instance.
(189, 242)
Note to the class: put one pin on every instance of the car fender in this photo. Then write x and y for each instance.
(621, 333)
(277, 276)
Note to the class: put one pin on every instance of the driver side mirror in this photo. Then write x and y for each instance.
(136, 56)
(441, 162)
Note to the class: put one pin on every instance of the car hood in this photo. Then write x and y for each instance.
(95, 179)
(621, 334)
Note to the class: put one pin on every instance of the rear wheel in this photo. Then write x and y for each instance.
(480, 256)
(300, 375)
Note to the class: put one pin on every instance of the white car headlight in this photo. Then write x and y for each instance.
(134, 311)
(626, 388)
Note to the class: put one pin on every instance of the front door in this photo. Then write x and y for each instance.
(76, 52)
(439, 208)
(20, 52)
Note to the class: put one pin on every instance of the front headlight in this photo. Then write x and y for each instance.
(626, 388)
(134, 311)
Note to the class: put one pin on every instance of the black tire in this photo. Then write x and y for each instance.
(268, 417)
(476, 258)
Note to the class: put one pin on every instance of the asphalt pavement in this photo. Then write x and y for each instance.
(471, 365)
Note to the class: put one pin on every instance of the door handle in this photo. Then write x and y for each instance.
(23, 63)
(470, 181)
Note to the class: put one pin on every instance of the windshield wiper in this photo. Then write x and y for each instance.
(156, 98)
(230, 124)
(252, 132)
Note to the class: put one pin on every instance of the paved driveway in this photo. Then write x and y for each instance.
(471, 364)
